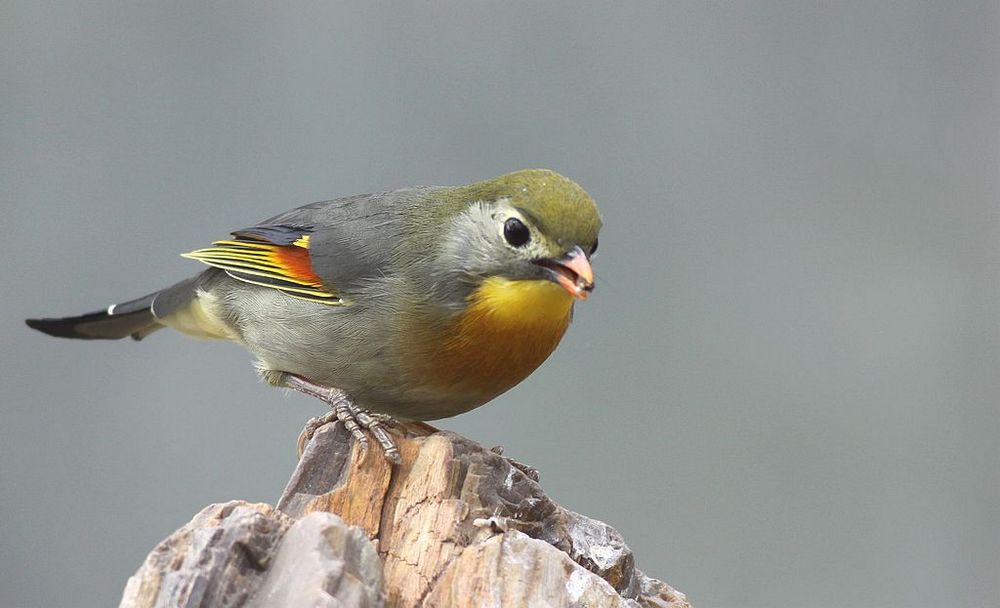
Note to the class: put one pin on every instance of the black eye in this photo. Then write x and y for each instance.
(516, 233)
(594, 248)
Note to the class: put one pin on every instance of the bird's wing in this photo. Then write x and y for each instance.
(273, 255)
(322, 251)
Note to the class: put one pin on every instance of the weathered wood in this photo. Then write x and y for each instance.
(243, 554)
(453, 525)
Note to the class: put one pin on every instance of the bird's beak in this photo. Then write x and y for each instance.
(572, 272)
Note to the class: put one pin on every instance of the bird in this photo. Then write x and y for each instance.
(408, 305)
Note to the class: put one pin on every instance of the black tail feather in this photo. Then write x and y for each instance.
(97, 326)
(116, 322)
(136, 318)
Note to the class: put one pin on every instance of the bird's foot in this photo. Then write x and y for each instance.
(354, 419)
(529, 471)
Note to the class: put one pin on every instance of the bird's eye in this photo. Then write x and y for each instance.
(516, 233)
(594, 248)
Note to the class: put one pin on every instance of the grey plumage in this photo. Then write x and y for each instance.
(400, 266)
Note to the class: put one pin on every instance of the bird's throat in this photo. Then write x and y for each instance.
(536, 303)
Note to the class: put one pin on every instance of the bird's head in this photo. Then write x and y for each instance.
(528, 227)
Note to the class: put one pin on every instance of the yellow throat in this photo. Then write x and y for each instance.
(533, 303)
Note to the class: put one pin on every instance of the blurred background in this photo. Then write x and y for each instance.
(784, 391)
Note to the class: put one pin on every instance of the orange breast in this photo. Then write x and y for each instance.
(508, 329)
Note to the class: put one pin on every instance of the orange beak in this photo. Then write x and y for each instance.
(572, 272)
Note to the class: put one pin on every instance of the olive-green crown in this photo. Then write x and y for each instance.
(557, 205)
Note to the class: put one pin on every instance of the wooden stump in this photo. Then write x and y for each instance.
(453, 525)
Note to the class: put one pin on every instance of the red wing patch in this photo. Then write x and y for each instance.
(286, 268)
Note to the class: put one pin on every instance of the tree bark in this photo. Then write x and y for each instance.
(453, 525)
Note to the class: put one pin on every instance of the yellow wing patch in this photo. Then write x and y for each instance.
(286, 268)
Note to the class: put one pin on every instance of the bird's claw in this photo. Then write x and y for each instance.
(376, 426)
(354, 419)
(312, 425)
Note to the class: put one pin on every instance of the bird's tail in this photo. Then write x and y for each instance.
(136, 318)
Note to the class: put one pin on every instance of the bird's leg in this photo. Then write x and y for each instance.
(355, 419)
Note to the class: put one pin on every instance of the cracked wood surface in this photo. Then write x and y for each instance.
(453, 525)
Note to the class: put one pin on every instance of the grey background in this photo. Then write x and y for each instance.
(784, 390)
